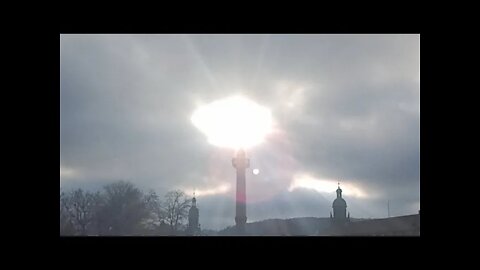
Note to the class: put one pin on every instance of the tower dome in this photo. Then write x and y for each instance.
(193, 225)
(339, 207)
(339, 202)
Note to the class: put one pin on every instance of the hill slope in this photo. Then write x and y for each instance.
(314, 226)
(286, 227)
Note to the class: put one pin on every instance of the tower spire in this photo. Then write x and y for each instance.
(339, 191)
(194, 200)
(340, 208)
(193, 225)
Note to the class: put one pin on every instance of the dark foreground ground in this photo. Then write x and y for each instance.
(311, 226)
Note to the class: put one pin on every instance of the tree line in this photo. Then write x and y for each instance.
(121, 208)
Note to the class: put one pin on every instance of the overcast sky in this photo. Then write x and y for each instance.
(346, 108)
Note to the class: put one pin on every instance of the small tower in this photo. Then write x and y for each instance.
(240, 163)
(340, 208)
(193, 225)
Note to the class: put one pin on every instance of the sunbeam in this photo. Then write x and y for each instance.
(201, 62)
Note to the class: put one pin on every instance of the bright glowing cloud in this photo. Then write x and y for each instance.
(220, 189)
(234, 122)
(67, 172)
(325, 185)
(290, 93)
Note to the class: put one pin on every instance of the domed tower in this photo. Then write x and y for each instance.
(193, 225)
(339, 208)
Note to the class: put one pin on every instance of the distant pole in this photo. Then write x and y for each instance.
(388, 208)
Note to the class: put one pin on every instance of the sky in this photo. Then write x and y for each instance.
(345, 108)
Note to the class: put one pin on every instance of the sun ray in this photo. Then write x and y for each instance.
(200, 60)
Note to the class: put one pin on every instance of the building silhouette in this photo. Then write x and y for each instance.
(240, 163)
(193, 227)
(339, 209)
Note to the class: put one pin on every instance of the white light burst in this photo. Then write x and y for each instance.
(235, 122)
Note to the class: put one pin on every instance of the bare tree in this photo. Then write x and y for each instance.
(176, 208)
(156, 211)
(123, 209)
(78, 210)
(66, 224)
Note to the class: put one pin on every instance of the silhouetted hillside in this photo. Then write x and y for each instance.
(402, 225)
(312, 226)
(284, 227)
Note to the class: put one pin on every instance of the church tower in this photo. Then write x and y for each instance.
(193, 225)
(339, 209)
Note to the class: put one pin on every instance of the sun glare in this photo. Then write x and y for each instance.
(234, 122)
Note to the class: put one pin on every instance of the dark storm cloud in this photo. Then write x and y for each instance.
(119, 117)
(374, 141)
(126, 102)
